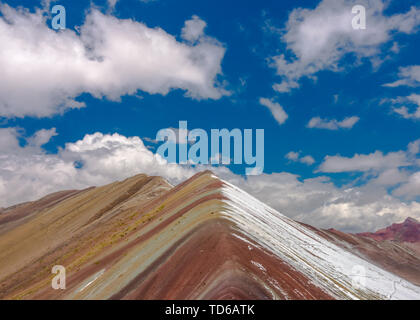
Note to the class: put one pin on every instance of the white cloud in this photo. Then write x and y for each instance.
(309, 160)
(8, 140)
(28, 173)
(219, 158)
(414, 148)
(41, 137)
(398, 169)
(390, 177)
(193, 29)
(411, 188)
(404, 111)
(406, 114)
(415, 98)
(395, 47)
(317, 39)
(408, 76)
(333, 124)
(109, 57)
(319, 203)
(295, 157)
(363, 163)
(276, 110)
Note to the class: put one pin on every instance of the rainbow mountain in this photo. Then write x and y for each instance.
(143, 238)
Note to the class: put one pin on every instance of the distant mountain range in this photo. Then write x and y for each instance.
(142, 238)
(408, 231)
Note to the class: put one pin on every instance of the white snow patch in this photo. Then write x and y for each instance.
(328, 266)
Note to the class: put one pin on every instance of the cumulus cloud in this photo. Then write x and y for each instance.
(193, 29)
(364, 162)
(414, 148)
(276, 110)
(108, 57)
(408, 76)
(332, 124)
(317, 39)
(295, 157)
(8, 139)
(390, 177)
(398, 169)
(320, 203)
(309, 160)
(28, 172)
(411, 188)
(387, 196)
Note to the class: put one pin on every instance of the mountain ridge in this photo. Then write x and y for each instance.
(202, 239)
(407, 231)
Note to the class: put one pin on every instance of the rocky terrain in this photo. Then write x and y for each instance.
(203, 239)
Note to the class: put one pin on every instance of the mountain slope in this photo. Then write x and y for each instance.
(408, 231)
(60, 232)
(203, 239)
(400, 258)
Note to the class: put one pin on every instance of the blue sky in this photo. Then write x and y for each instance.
(354, 76)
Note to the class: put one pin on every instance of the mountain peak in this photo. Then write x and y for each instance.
(209, 238)
(407, 231)
(410, 220)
